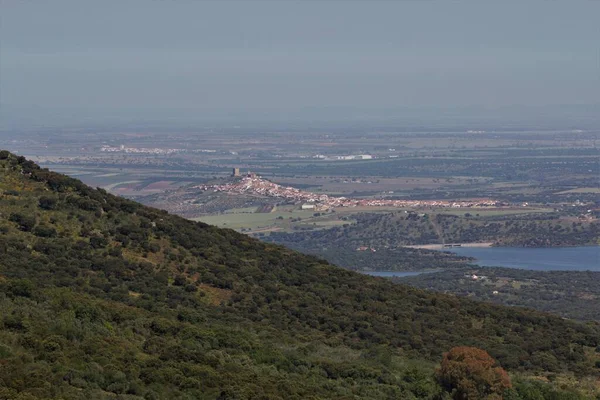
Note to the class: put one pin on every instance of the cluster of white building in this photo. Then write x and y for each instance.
(344, 157)
(254, 185)
(140, 150)
(355, 157)
(145, 150)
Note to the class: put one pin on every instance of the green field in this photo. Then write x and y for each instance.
(290, 218)
(255, 221)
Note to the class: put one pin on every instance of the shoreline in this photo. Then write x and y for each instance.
(449, 246)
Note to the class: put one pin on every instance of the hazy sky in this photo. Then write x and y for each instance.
(144, 56)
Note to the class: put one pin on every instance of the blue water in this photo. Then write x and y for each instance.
(537, 259)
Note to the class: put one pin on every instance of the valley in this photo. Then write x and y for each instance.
(107, 297)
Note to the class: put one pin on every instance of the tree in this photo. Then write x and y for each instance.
(469, 373)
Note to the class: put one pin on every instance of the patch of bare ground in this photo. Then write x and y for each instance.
(214, 295)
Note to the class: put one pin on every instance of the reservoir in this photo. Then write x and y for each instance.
(538, 259)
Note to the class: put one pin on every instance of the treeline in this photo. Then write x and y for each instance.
(392, 230)
(101, 297)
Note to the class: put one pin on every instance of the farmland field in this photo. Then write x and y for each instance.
(279, 219)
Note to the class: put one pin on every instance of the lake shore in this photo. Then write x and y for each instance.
(450, 246)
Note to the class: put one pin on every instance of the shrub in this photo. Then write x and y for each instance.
(25, 222)
(47, 202)
(44, 231)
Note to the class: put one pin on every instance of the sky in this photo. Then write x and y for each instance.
(77, 61)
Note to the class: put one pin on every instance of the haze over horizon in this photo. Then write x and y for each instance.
(76, 63)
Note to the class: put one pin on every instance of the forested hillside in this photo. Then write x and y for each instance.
(101, 297)
(571, 294)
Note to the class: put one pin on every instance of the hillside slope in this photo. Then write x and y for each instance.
(103, 297)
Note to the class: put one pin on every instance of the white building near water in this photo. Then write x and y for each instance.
(355, 157)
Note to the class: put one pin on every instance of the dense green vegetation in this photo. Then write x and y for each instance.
(572, 294)
(102, 297)
(386, 233)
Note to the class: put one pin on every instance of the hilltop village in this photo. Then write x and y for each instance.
(252, 184)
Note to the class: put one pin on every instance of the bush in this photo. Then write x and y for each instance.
(21, 287)
(44, 231)
(47, 203)
(98, 242)
(25, 222)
